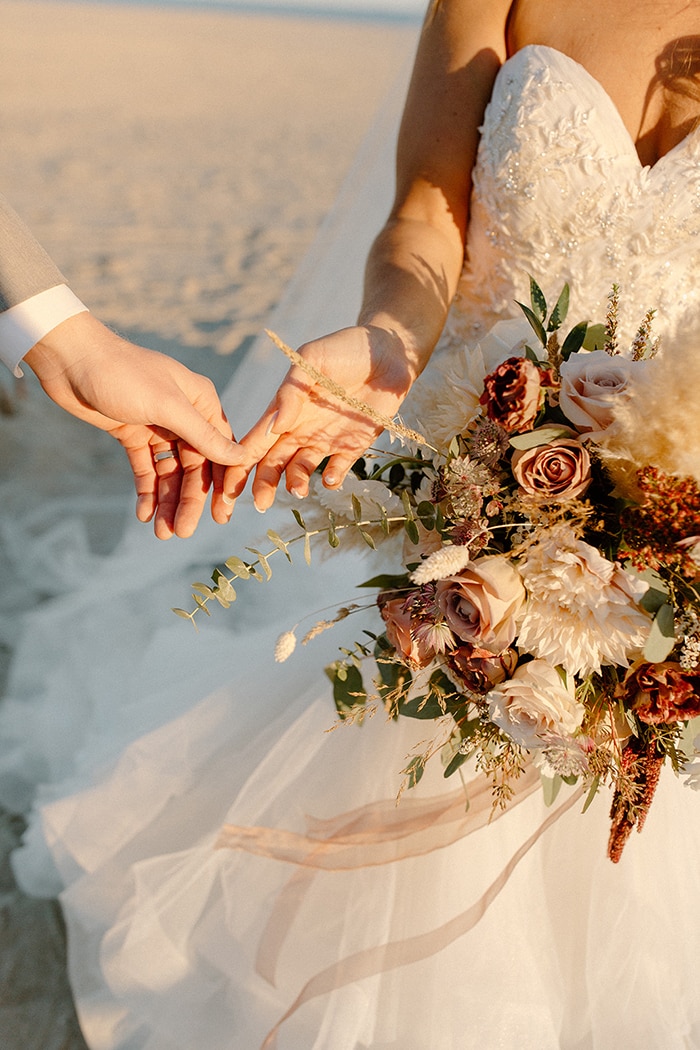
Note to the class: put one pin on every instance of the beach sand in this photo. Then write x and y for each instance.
(176, 164)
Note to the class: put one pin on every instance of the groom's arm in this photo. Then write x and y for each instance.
(34, 296)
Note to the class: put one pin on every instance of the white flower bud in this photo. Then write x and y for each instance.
(285, 646)
(447, 561)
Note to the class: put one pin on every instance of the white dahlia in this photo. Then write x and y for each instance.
(582, 610)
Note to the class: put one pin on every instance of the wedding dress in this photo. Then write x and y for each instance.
(518, 934)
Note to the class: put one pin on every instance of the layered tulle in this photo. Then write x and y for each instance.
(223, 852)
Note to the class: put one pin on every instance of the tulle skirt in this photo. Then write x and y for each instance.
(232, 866)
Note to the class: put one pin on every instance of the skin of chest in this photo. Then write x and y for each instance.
(646, 56)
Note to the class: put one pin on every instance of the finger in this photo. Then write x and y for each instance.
(169, 473)
(337, 469)
(269, 471)
(213, 442)
(291, 398)
(145, 480)
(221, 509)
(194, 487)
(256, 444)
(235, 480)
(300, 468)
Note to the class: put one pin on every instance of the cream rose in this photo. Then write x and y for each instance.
(481, 604)
(591, 383)
(536, 706)
(558, 470)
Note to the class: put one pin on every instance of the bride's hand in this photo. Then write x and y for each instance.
(304, 423)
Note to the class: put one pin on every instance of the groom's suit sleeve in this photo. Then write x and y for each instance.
(34, 296)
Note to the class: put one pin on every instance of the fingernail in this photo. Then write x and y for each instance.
(298, 493)
(260, 510)
(330, 479)
(270, 425)
(228, 500)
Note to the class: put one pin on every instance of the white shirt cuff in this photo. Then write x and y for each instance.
(26, 323)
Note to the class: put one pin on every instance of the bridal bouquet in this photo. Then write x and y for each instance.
(547, 607)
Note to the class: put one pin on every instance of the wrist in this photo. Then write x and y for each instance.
(408, 345)
(66, 344)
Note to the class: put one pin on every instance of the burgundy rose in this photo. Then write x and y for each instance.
(479, 669)
(558, 470)
(512, 394)
(662, 692)
(396, 613)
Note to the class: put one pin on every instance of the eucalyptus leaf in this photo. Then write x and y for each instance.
(414, 770)
(279, 543)
(307, 548)
(412, 531)
(366, 536)
(224, 589)
(426, 512)
(452, 766)
(551, 786)
(386, 528)
(238, 567)
(348, 690)
(203, 589)
(262, 562)
(298, 518)
(424, 707)
(542, 436)
(661, 638)
(656, 595)
(356, 507)
(183, 613)
(592, 792)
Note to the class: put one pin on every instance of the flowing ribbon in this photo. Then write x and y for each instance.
(379, 833)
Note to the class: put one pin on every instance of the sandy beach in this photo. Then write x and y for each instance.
(176, 164)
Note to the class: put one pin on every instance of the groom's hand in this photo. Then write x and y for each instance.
(168, 419)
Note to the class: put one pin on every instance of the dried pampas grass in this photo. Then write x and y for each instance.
(658, 424)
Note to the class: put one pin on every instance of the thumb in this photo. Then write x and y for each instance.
(290, 400)
(184, 420)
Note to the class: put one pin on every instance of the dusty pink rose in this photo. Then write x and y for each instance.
(592, 383)
(481, 603)
(662, 692)
(479, 669)
(400, 631)
(559, 470)
(512, 394)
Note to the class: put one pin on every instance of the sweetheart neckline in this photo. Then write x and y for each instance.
(682, 144)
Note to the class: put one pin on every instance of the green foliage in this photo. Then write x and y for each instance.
(662, 636)
(349, 692)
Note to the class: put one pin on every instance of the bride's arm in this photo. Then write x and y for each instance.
(412, 270)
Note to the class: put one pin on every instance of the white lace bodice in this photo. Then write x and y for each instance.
(560, 193)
